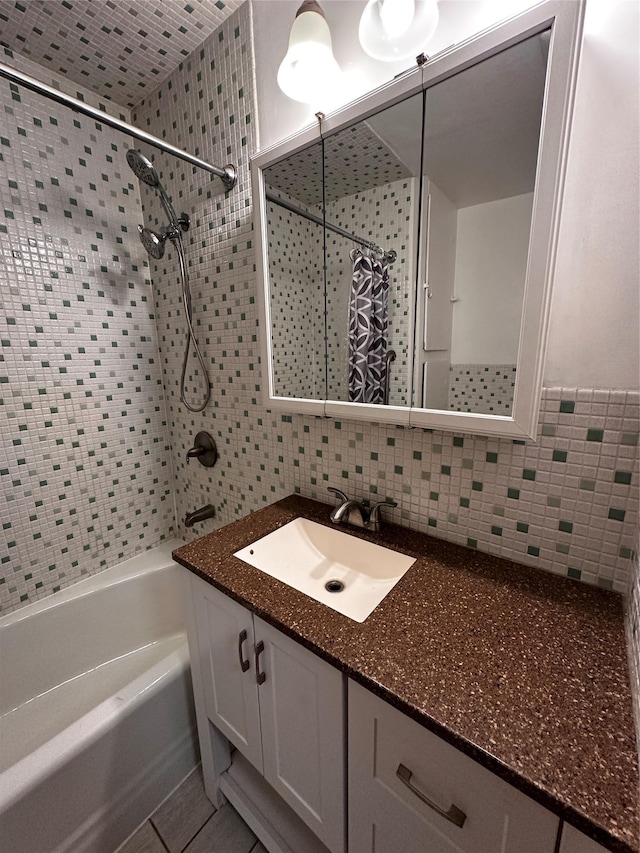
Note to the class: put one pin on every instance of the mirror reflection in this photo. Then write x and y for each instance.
(481, 134)
(295, 233)
(372, 192)
(398, 246)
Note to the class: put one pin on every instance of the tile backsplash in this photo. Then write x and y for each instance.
(86, 465)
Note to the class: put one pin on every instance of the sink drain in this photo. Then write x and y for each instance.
(334, 586)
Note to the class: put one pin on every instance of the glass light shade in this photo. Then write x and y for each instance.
(309, 72)
(397, 29)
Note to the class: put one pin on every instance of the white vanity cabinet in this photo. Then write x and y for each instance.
(280, 705)
(409, 790)
(574, 841)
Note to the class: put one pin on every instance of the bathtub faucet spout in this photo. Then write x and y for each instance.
(198, 515)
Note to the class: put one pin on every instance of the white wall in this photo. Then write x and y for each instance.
(594, 315)
(594, 321)
(491, 263)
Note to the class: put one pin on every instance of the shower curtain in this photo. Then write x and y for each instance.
(368, 320)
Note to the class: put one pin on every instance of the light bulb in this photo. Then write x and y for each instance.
(309, 72)
(391, 30)
(396, 16)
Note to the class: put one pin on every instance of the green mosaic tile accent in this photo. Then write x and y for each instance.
(622, 477)
(595, 434)
(568, 407)
(559, 456)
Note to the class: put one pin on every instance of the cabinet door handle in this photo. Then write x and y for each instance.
(260, 676)
(244, 664)
(454, 815)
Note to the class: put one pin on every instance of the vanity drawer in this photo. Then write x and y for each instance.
(475, 811)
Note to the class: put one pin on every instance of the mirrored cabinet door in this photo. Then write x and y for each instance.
(372, 195)
(407, 243)
(295, 243)
(481, 136)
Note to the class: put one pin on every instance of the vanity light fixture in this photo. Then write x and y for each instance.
(392, 30)
(309, 70)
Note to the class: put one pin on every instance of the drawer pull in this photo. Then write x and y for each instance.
(244, 664)
(454, 815)
(260, 676)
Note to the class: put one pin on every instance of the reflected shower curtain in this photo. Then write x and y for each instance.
(368, 320)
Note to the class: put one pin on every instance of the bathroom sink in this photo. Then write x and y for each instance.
(347, 574)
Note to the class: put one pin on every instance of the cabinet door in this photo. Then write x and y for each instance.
(301, 702)
(574, 841)
(226, 640)
(372, 830)
(385, 746)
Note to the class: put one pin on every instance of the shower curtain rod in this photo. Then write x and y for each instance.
(227, 173)
(389, 256)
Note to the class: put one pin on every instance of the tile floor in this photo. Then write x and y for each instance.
(188, 823)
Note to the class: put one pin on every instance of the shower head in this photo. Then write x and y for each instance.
(154, 241)
(142, 168)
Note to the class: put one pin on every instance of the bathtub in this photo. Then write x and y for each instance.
(96, 714)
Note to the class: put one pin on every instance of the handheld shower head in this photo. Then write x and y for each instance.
(153, 241)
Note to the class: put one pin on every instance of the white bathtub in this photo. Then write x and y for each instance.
(96, 713)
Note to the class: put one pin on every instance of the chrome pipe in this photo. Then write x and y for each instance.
(227, 174)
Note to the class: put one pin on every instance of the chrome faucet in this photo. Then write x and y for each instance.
(356, 514)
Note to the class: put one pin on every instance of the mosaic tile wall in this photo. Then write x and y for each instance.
(485, 388)
(159, 33)
(86, 467)
(207, 106)
(567, 504)
(297, 302)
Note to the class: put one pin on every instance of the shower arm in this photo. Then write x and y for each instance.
(227, 174)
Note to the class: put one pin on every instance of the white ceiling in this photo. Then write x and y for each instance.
(120, 49)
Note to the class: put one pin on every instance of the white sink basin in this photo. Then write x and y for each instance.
(308, 556)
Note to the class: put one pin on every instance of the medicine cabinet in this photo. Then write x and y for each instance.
(406, 243)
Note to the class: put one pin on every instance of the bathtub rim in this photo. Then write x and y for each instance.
(127, 569)
(25, 774)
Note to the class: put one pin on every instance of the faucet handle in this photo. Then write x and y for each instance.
(375, 509)
(338, 492)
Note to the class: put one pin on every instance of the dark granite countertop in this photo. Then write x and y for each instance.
(524, 671)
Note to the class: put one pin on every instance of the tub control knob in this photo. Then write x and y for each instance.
(204, 450)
